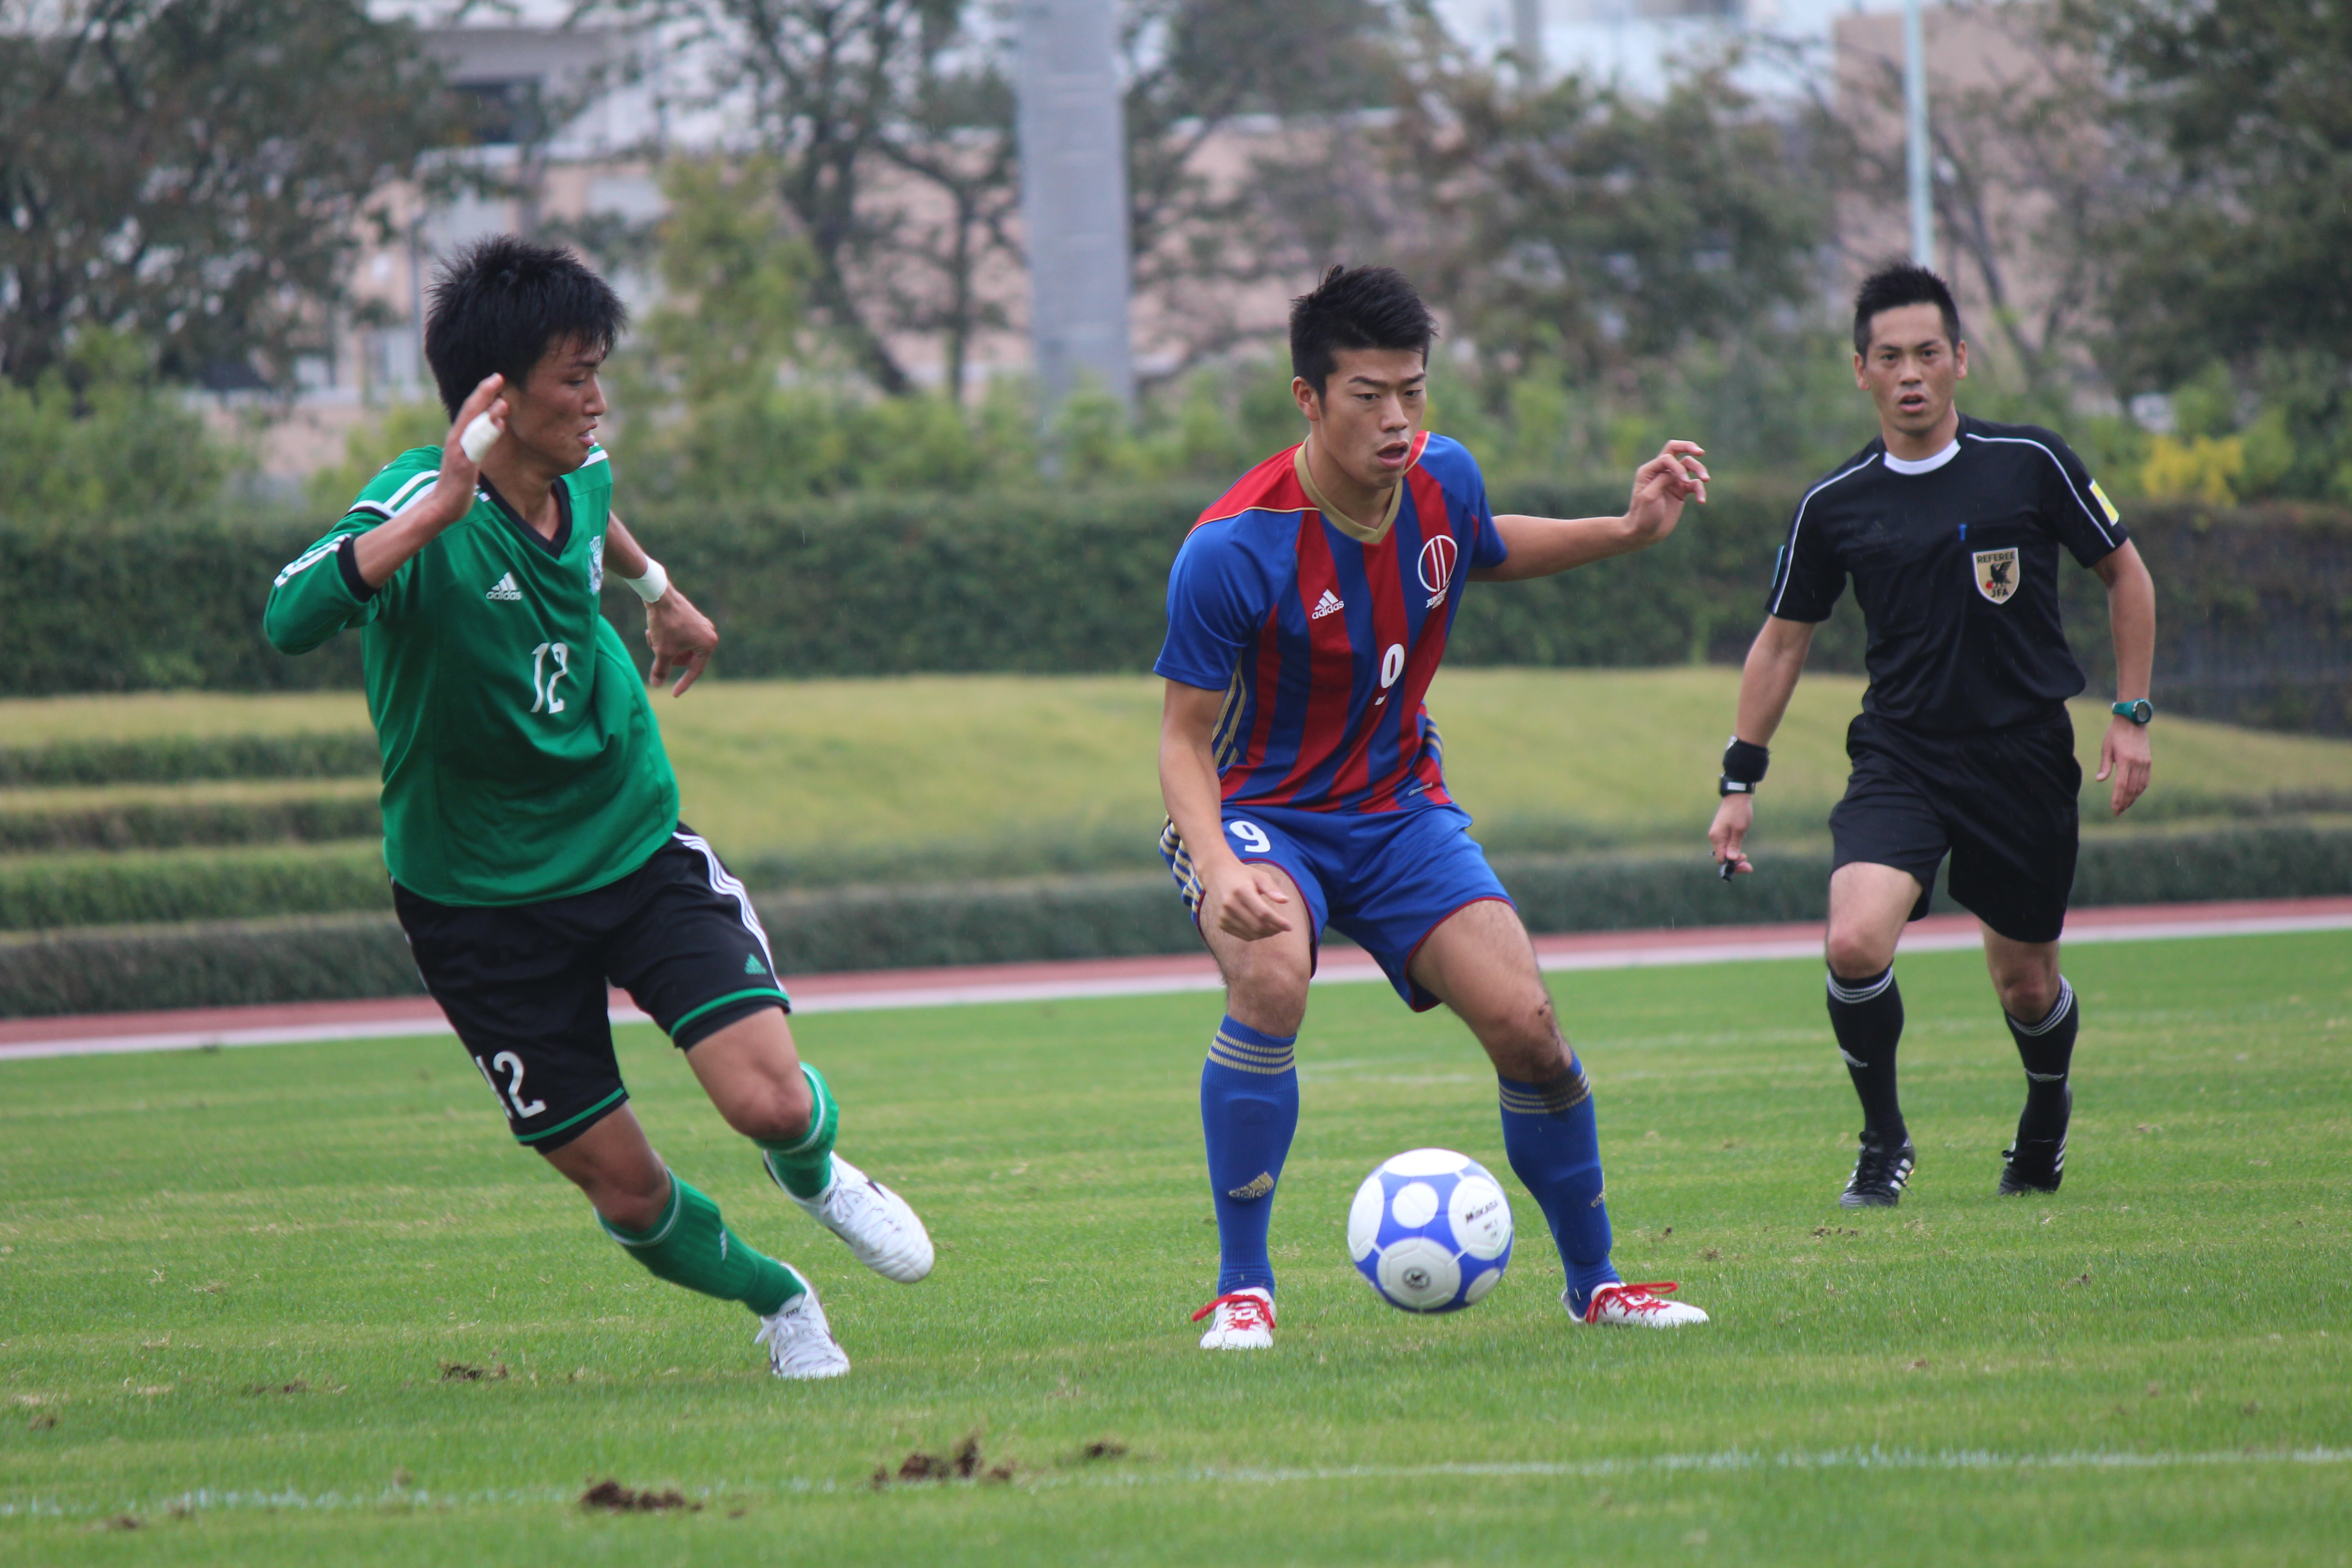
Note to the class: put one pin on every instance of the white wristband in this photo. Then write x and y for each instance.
(653, 585)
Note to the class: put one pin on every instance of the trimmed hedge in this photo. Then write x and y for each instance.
(330, 959)
(183, 759)
(2254, 605)
(174, 826)
(2253, 615)
(363, 955)
(48, 893)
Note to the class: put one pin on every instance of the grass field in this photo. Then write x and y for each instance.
(948, 774)
(231, 1284)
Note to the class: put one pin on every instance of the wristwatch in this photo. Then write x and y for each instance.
(2139, 712)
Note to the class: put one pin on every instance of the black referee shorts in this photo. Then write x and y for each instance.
(2001, 802)
(525, 985)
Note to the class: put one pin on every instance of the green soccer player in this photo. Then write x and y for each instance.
(530, 816)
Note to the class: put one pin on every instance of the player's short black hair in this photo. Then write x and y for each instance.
(1895, 285)
(499, 305)
(1355, 308)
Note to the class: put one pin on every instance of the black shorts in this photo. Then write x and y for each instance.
(525, 985)
(2001, 801)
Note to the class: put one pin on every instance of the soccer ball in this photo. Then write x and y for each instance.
(1431, 1230)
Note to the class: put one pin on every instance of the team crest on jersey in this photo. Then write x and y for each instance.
(1996, 574)
(1437, 559)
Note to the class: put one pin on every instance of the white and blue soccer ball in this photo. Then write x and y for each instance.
(1431, 1230)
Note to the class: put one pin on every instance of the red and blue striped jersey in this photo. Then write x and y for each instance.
(1323, 635)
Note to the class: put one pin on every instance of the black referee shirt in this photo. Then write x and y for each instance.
(1955, 565)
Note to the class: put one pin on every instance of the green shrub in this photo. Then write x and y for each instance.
(2254, 605)
(44, 892)
(101, 436)
(166, 825)
(180, 759)
(330, 959)
(1103, 916)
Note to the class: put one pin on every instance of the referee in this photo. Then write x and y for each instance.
(1950, 528)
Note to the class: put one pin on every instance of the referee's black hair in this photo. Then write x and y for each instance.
(499, 305)
(1355, 308)
(1895, 285)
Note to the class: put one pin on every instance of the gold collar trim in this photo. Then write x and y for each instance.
(1340, 520)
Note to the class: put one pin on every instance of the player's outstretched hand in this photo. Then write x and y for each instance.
(1733, 818)
(681, 637)
(2125, 754)
(1246, 902)
(453, 493)
(1663, 484)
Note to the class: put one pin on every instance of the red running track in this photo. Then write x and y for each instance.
(292, 1022)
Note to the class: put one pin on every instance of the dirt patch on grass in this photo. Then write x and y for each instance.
(299, 1385)
(966, 1464)
(462, 1371)
(612, 1497)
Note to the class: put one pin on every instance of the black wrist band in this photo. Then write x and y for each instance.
(1726, 785)
(1744, 763)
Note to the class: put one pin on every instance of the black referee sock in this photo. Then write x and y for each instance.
(1867, 1015)
(2047, 1049)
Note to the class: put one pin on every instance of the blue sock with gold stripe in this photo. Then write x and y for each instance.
(1554, 1145)
(1249, 1109)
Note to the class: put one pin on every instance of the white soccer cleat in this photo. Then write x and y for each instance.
(1242, 1321)
(800, 1343)
(880, 1226)
(1635, 1306)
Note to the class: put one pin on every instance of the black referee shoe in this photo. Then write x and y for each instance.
(1880, 1175)
(2034, 1166)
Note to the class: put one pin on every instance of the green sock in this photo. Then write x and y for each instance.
(692, 1246)
(804, 1168)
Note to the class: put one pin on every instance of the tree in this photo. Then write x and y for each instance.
(193, 171)
(960, 141)
(1584, 227)
(839, 92)
(2024, 175)
(2239, 208)
(1202, 237)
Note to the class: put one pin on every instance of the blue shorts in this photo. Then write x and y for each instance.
(1385, 880)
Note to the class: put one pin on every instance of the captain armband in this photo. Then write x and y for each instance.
(1743, 767)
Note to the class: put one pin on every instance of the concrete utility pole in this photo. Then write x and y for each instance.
(1527, 43)
(1074, 196)
(1914, 122)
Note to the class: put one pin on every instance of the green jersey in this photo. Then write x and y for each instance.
(521, 760)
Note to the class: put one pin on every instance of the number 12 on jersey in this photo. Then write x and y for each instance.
(544, 674)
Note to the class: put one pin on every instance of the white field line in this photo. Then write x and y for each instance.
(1730, 1461)
(1348, 970)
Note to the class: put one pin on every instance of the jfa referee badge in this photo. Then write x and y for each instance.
(1996, 574)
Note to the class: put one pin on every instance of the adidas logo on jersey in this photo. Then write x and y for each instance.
(1330, 604)
(504, 588)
